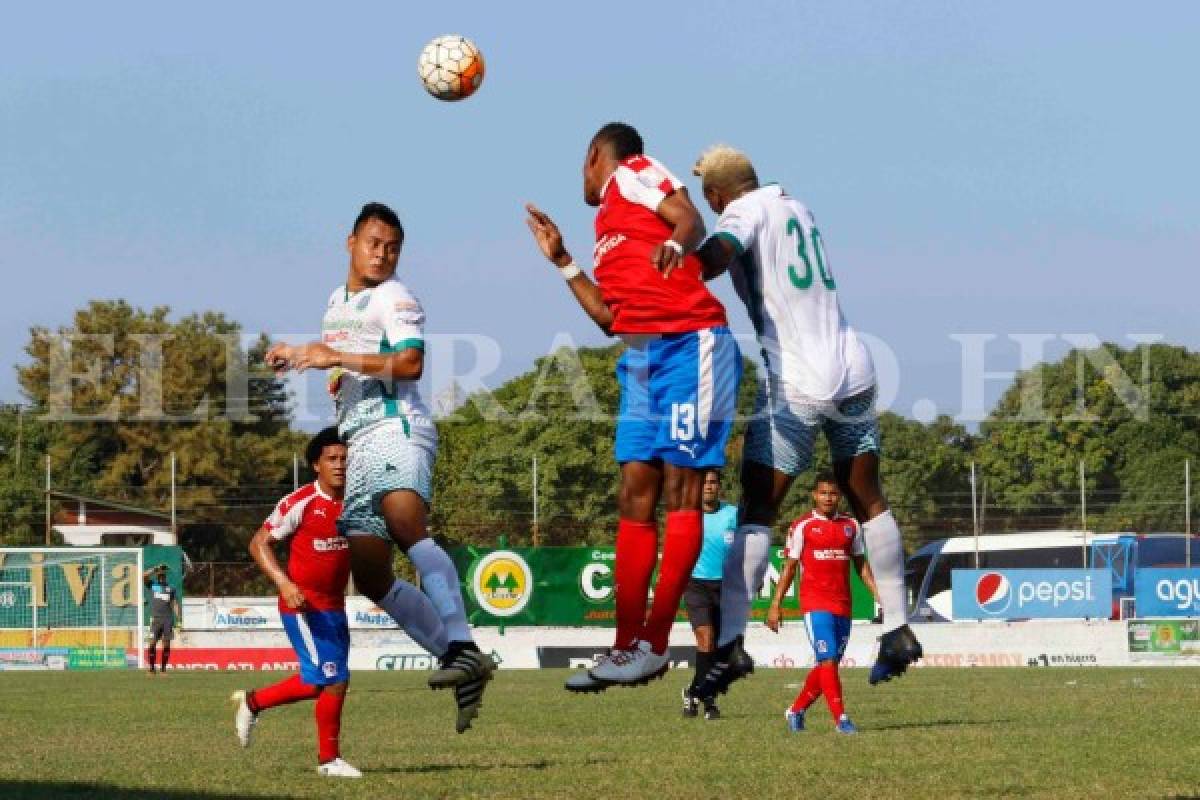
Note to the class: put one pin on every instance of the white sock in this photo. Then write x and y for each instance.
(885, 552)
(414, 612)
(741, 578)
(439, 579)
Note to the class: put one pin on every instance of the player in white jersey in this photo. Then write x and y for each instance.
(818, 377)
(373, 343)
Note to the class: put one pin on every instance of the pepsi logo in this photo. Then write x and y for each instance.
(993, 592)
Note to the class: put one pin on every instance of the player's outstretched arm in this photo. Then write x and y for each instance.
(404, 365)
(549, 241)
(775, 612)
(264, 555)
(716, 254)
(687, 231)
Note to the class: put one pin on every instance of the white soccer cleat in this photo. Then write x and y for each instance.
(243, 718)
(338, 769)
(634, 667)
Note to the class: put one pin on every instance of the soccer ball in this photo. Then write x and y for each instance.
(451, 67)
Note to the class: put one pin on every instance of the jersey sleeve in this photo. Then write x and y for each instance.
(738, 225)
(403, 321)
(644, 181)
(285, 519)
(795, 540)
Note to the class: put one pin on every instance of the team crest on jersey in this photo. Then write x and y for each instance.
(849, 529)
(330, 669)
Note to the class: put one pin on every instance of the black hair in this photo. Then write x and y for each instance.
(382, 213)
(327, 437)
(623, 139)
(824, 476)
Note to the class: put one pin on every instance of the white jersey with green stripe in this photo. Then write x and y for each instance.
(382, 319)
(782, 276)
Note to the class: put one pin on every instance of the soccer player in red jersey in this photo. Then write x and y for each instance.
(820, 547)
(678, 376)
(312, 602)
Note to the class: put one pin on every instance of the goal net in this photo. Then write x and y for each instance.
(71, 607)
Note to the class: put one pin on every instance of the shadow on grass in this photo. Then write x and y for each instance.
(66, 790)
(937, 723)
(425, 769)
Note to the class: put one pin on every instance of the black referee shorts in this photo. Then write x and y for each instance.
(703, 602)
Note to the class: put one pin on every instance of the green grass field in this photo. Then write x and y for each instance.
(936, 733)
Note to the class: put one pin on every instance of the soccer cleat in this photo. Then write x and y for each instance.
(634, 667)
(897, 649)
(469, 698)
(730, 664)
(691, 706)
(711, 711)
(845, 726)
(338, 769)
(795, 720)
(462, 663)
(243, 718)
(582, 681)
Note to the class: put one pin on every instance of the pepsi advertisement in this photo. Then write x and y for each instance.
(1167, 592)
(1031, 593)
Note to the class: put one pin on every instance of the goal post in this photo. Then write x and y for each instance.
(75, 607)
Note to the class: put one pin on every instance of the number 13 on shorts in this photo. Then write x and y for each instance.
(683, 421)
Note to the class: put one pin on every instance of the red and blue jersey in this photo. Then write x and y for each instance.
(318, 556)
(824, 546)
(628, 229)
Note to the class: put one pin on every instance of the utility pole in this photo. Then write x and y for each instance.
(536, 533)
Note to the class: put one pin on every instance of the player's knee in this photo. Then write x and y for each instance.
(682, 488)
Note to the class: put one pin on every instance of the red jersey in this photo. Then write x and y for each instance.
(628, 228)
(823, 546)
(318, 556)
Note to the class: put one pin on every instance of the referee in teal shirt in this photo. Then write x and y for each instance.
(703, 595)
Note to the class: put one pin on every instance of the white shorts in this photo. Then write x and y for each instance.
(385, 457)
(783, 430)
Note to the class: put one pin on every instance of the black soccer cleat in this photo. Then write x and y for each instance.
(691, 706)
(462, 663)
(731, 663)
(897, 650)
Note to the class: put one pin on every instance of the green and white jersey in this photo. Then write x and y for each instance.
(383, 319)
(783, 278)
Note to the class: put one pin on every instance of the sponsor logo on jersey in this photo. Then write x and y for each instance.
(606, 246)
(829, 554)
(360, 304)
(331, 545)
(502, 583)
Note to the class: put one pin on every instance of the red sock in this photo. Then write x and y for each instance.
(329, 725)
(637, 549)
(681, 546)
(831, 685)
(288, 690)
(811, 691)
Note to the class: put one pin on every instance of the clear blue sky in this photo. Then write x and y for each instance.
(974, 167)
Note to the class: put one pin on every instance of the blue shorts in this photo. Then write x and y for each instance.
(321, 640)
(828, 634)
(678, 398)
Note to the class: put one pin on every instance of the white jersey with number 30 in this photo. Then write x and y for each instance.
(782, 276)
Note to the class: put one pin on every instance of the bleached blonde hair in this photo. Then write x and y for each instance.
(726, 169)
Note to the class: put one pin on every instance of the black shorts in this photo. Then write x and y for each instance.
(162, 629)
(703, 602)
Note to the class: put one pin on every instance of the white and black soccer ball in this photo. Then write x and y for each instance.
(451, 67)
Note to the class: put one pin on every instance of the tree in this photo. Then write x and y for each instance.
(121, 389)
(1129, 415)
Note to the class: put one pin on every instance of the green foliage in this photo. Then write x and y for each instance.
(1130, 415)
(152, 387)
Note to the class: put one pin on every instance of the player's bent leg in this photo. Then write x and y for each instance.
(371, 565)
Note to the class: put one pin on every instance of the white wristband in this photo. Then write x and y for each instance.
(674, 245)
(570, 271)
